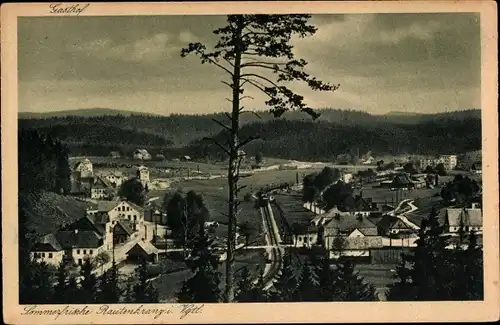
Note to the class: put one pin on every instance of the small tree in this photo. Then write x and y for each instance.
(286, 284)
(133, 191)
(61, 285)
(144, 291)
(88, 283)
(349, 286)
(259, 157)
(109, 289)
(247, 230)
(248, 291)
(307, 289)
(203, 286)
(248, 46)
(42, 291)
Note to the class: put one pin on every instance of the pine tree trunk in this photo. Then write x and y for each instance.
(233, 170)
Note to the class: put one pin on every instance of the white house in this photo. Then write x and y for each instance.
(469, 219)
(305, 235)
(115, 178)
(99, 189)
(84, 166)
(449, 161)
(109, 213)
(143, 175)
(350, 235)
(142, 154)
(74, 245)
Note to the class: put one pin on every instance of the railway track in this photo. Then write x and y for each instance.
(275, 253)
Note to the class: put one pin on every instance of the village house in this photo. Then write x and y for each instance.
(449, 161)
(350, 235)
(305, 235)
(73, 243)
(100, 189)
(108, 213)
(81, 178)
(402, 181)
(467, 219)
(153, 214)
(115, 178)
(364, 206)
(323, 218)
(142, 154)
(391, 226)
(143, 250)
(143, 175)
(84, 167)
(185, 158)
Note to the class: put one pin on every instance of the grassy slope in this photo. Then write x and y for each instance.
(44, 216)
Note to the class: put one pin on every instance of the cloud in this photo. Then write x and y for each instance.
(186, 36)
(146, 49)
(382, 62)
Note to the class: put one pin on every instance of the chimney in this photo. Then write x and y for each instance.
(76, 231)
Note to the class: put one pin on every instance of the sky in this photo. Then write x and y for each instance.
(383, 62)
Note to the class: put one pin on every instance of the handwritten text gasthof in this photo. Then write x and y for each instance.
(70, 9)
(182, 310)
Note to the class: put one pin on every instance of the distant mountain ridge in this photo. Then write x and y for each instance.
(114, 129)
(83, 112)
(94, 112)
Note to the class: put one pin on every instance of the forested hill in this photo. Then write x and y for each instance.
(106, 127)
(316, 141)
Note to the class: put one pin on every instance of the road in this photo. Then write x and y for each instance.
(275, 252)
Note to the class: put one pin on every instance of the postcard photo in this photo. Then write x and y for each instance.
(249, 162)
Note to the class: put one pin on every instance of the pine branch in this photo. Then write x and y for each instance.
(217, 144)
(222, 124)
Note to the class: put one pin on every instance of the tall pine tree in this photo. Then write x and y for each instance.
(424, 274)
(284, 287)
(248, 290)
(144, 291)
(204, 285)
(308, 287)
(88, 283)
(62, 282)
(109, 289)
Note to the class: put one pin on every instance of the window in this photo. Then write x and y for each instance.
(84, 251)
(135, 217)
(300, 238)
(128, 217)
(37, 255)
(43, 254)
(78, 251)
(128, 208)
(90, 252)
(50, 255)
(110, 229)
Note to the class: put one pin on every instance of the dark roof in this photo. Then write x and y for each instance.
(143, 247)
(347, 223)
(390, 222)
(300, 229)
(101, 182)
(123, 228)
(362, 204)
(79, 239)
(87, 223)
(362, 242)
(48, 243)
(135, 206)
